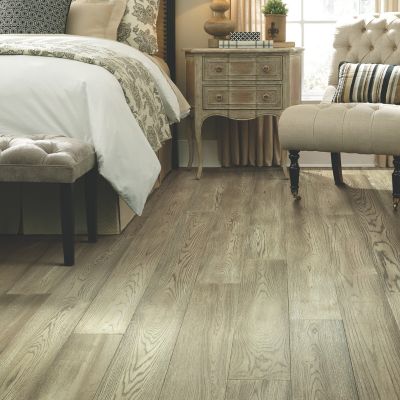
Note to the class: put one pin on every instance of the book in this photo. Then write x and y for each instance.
(243, 44)
(282, 45)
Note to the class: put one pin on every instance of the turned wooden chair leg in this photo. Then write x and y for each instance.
(91, 204)
(337, 168)
(396, 182)
(294, 172)
(68, 222)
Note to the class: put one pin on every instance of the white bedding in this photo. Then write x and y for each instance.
(41, 95)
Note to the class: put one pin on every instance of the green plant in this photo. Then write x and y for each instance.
(277, 7)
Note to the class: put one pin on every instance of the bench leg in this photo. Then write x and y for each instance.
(337, 168)
(396, 182)
(294, 172)
(91, 204)
(68, 222)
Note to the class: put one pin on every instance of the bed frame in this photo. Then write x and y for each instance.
(167, 51)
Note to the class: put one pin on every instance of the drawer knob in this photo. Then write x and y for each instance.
(219, 98)
(218, 70)
(266, 97)
(266, 69)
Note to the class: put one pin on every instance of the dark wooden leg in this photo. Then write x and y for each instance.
(396, 182)
(91, 204)
(337, 168)
(294, 172)
(68, 222)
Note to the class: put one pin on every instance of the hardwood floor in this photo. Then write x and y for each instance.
(225, 289)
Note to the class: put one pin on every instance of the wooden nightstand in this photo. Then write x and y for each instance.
(240, 84)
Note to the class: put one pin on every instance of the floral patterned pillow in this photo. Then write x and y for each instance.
(139, 25)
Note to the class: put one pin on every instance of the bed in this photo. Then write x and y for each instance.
(34, 209)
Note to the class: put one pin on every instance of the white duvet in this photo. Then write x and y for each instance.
(42, 95)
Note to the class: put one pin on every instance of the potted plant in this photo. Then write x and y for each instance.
(275, 12)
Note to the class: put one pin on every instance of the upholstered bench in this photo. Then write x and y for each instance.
(54, 160)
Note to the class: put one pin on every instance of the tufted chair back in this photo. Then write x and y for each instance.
(370, 40)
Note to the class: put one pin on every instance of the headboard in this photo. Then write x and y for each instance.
(166, 33)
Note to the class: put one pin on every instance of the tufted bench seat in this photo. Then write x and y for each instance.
(57, 160)
(349, 127)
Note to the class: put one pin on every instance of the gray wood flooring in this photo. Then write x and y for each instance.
(225, 289)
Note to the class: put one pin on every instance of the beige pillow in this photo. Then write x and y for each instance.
(96, 18)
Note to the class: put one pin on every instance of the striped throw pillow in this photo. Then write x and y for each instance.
(368, 83)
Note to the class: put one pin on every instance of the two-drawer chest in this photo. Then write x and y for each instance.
(240, 84)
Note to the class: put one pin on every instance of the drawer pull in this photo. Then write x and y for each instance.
(266, 97)
(219, 98)
(267, 69)
(218, 70)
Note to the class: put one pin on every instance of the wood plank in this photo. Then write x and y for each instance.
(374, 344)
(312, 292)
(225, 250)
(261, 342)
(15, 312)
(206, 335)
(46, 272)
(78, 368)
(18, 255)
(321, 366)
(379, 229)
(258, 390)
(27, 358)
(265, 235)
(113, 307)
(139, 367)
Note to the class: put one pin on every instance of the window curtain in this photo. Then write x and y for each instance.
(386, 6)
(256, 142)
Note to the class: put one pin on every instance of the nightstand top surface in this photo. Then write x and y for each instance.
(207, 50)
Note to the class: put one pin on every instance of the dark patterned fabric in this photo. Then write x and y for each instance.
(33, 16)
(368, 83)
(245, 36)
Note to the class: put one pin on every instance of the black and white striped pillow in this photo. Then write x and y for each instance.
(368, 83)
(33, 16)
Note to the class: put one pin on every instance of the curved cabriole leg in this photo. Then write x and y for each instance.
(337, 168)
(294, 172)
(396, 182)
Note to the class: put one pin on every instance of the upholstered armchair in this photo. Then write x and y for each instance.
(364, 128)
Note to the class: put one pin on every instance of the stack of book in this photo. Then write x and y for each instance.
(250, 44)
(249, 40)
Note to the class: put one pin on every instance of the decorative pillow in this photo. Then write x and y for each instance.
(139, 25)
(40, 17)
(368, 83)
(96, 18)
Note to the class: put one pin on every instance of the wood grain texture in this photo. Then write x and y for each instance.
(16, 258)
(45, 273)
(312, 293)
(379, 228)
(269, 197)
(15, 312)
(321, 366)
(195, 285)
(258, 390)
(140, 365)
(81, 363)
(261, 342)
(113, 307)
(206, 335)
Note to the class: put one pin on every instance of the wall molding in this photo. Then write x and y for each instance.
(307, 158)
